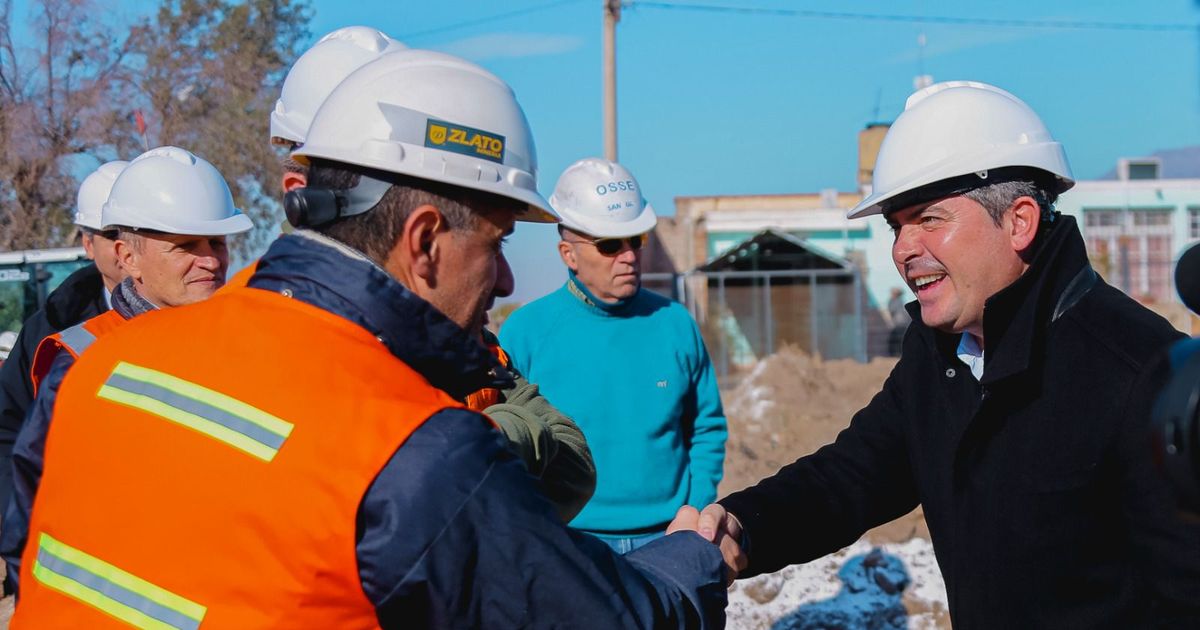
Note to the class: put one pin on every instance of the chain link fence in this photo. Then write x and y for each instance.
(747, 315)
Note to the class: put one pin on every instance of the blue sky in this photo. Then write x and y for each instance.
(713, 103)
(720, 103)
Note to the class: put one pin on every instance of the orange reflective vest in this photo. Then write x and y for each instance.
(73, 340)
(216, 484)
(478, 401)
(241, 278)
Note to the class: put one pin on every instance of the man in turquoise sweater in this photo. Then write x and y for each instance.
(626, 363)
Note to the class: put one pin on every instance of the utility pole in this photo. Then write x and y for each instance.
(612, 15)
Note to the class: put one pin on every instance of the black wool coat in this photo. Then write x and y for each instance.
(1037, 481)
(78, 298)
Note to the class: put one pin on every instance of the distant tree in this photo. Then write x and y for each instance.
(55, 105)
(205, 74)
(498, 315)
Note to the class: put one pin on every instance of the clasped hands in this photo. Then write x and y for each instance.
(719, 527)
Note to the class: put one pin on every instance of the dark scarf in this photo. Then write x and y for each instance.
(128, 303)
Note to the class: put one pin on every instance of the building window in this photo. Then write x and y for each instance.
(1132, 248)
(1146, 218)
(1193, 222)
(1100, 218)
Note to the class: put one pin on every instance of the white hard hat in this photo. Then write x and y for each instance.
(601, 198)
(432, 116)
(93, 192)
(170, 190)
(318, 71)
(955, 129)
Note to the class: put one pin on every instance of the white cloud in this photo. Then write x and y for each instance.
(511, 45)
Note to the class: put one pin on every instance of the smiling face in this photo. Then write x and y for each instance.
(954, 257)
(173, 269)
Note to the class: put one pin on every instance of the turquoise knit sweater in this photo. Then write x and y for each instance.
(636, 378)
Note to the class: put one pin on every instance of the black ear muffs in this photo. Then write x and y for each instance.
(310, 207)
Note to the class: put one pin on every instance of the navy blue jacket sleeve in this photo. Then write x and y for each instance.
(79, 297)
(454, 533)
(16, 392)
(27, 457)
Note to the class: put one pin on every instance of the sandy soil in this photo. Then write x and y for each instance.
(790, 405)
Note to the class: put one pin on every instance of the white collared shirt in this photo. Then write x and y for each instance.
(971, 354)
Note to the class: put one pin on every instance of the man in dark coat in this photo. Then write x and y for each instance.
(82, 296)
(78, 298)
(1018, 414)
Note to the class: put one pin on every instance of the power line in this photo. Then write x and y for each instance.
(485, 20)
(919, 19)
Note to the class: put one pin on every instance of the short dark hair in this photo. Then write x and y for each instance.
(374, 233)
(283, 149)
(292, 166)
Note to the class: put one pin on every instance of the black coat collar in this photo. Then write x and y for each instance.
(78, 298)
(1015, 319)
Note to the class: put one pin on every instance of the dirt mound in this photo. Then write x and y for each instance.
(789, 405)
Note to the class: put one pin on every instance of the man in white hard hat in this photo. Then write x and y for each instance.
(551, 445)
(1018, 415)
(99, 243)
(83, 295)
(171, 212)
(628, 364)
(302, 459)
(307, 84)
(310, 81)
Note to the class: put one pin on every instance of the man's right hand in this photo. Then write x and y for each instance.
(723, 530)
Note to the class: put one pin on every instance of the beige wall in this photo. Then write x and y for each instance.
(869, 140)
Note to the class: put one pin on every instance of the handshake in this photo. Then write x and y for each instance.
(719, 527)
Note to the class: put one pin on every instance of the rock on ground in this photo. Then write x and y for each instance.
(836, 592)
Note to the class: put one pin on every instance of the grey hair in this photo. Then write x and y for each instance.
(998, 197)
(131, 236)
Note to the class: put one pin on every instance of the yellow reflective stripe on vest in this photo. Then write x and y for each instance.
(212, 413)
(121, 594)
